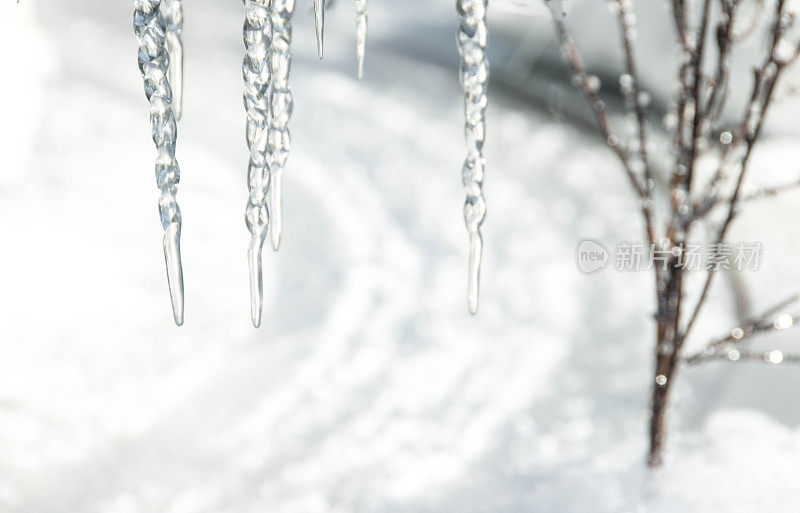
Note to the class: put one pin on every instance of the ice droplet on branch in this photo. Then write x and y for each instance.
(150, 26)
(474, 74)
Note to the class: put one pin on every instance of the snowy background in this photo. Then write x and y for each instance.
(369, 388)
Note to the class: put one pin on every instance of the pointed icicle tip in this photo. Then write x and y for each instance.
(319, 15)
(256, 282)
(275, 208)
(361, 66)
(475, 258)
(172, 257)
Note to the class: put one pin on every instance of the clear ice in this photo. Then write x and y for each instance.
(319, 18)
(150, 26)
(173, 16)
(474, 74)
(257, 74)
(361, 35)
(280, 103)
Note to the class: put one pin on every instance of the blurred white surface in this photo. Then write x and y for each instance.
(369, 388)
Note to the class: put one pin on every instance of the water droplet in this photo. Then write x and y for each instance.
(783, 52)
(661, 380)
(625, 83)
(775, 357)
(592, 83)
(726, 137)
(783, 322)
(734, 355)
(670, 120)
(737, 333)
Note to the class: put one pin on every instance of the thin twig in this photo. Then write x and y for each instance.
(763, 88)
(637, 106)
(765, 321)
(588, 86)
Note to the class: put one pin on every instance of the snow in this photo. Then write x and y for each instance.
(369, 387)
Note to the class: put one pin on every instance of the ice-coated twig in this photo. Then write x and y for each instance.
(280, 101)
(765, 78)
(151, 33)
(257, 73)
(319, 19)
(173, 16)
(772, 319)
(774, 357)
(361, 35)
(474, 74)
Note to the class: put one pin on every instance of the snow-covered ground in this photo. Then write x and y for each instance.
(369, 388)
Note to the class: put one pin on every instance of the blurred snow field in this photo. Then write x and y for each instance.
(369, 388)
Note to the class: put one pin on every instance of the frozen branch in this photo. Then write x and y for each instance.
(765, 79)
(770, 320)
(589, 86)
(636, 103)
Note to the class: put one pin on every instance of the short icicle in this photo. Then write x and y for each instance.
(361, 35)
(257, 73)
(319, 18)
(281, 103)
(474, 73)
(154, 59)
(173, 14)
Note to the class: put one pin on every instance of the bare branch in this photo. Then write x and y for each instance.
(636, 104)
(774, 357)
(766, 321)
(765, 79)
(589, 85)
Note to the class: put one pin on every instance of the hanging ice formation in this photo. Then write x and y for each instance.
(151, 28)
(474, 74)
(173, 16)
(361, 35)
(257, 73)
(319, 18)
(280, 107)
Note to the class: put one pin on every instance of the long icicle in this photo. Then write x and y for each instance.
(281, 104)
(257, 75)
(474, 75)
(173, 16)
(150, 27)
(319, 18)
(361, 35)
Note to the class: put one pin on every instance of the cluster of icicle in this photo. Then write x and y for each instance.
(158, 25)
(474, 75)
(268, 102)
(257, 73)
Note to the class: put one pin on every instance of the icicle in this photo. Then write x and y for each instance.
(361, 35)
(151, 34)
(173, 16)
(257, 73)
(280, 104)
(319, 16)
(474, 74)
